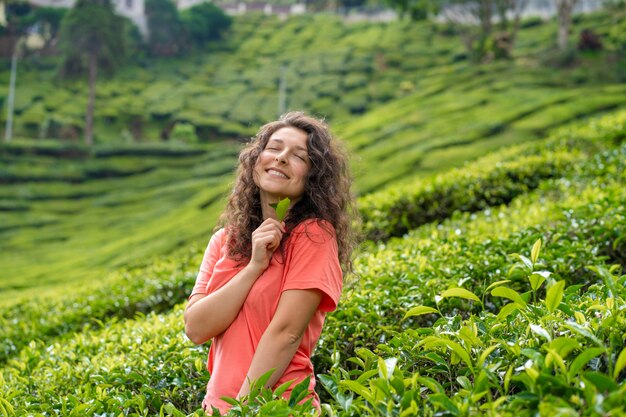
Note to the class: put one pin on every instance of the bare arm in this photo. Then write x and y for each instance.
(283, 336)
(209, 315)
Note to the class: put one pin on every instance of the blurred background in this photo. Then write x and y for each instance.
(121, 121)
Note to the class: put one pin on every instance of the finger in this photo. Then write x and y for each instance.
(269, 239)
(269, 222)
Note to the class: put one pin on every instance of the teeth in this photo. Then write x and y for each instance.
(276, 173)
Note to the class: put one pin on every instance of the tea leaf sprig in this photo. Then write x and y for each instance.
(281, 208)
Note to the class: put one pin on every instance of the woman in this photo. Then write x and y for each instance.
(265, 285)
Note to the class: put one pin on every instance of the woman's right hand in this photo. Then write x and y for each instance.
(265, 240)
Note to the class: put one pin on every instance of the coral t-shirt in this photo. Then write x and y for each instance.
(309, 260)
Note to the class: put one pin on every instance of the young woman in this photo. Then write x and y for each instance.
(265, 285)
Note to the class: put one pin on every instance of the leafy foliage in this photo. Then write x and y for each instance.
(166, 31)
(205, 22)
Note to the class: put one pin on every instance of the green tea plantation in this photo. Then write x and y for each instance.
(510, 301)
(489, 282)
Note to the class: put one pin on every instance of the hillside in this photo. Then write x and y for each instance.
(423, 109)
(493, 203)
(461, 347)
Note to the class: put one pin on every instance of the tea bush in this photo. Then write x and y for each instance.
(492, 180)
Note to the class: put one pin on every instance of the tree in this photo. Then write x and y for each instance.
(166, 34)
(205, 22)
(474, 21)
(91, 38)
(416, 9)
(564, 11)
(48, 22)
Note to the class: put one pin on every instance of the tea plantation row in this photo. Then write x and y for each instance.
(486, 333)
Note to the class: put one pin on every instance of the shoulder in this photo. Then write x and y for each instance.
(315, 227)
(218, 238)
(313, 230)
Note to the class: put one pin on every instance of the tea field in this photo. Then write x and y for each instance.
(514, 306)
(491, 276)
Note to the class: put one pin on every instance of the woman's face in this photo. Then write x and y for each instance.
(282, 166)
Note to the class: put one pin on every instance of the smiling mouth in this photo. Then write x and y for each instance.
(278, 174)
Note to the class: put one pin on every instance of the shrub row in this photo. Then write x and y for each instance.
(489, 181)
(584, 226)
(141, 289)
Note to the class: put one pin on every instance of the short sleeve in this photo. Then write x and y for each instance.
(314, 262)
(210, 258)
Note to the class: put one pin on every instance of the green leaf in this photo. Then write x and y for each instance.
(358, 389)
(485, 354)
(431, 384)
(564, 345)
(443, 401)
(512, 295)
(554, 295)
(229, 400)
(534, 253)
(299, 392)
(366, 375)
(282, 388)
(601, 381)
(583, 331)
(386, 367)
(536, 280)
(281, 208)
(582, 359)
(553, 355)
(527, 262)
(455, 347)
(460, 292)
(497, 283)
(507, 310)
(620, 363)
(419, 310)
(541, 332)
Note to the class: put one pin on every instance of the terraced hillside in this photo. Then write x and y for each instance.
(330, 68)
(436, 114)
(70, 215)
(442, 321)
(493, 203)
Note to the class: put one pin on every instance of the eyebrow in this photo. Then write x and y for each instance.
(282, 141)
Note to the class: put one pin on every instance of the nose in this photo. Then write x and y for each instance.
(281, 158)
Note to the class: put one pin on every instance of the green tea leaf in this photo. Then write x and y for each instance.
(582, 359)
(601, 381)
(496, 284)
(536, 280)
(538, 330)
(527, 262)
(619, 364)
(442, 401)
(282, 388)
(534, 253)
(419, 310)
(507, 310)
(460, 292)
(554, 295)
(299, 392)
(510, 294)
(281, 208)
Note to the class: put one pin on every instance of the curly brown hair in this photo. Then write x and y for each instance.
(327, 196)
